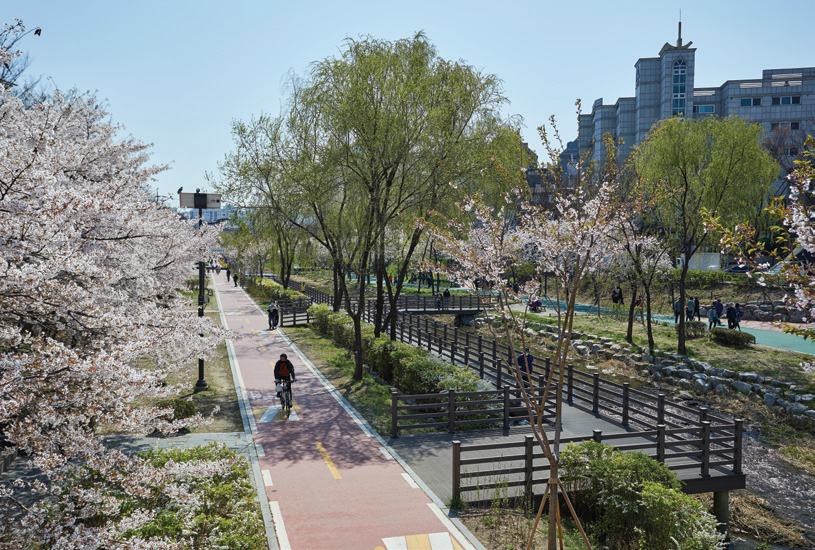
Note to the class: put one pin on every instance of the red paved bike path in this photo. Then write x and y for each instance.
(372, 504)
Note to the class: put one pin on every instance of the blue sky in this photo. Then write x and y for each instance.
(176, 73)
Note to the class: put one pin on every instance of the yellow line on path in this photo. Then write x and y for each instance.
(331, 467)
(418, 542)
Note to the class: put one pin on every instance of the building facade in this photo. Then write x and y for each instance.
(782, 101)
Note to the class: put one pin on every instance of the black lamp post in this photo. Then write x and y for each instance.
(200, 201)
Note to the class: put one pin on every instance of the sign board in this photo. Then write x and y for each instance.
(208, 201)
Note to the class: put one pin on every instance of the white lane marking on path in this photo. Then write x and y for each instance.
(440, 541)
(280, 529)
(410, 481)
(292, 416)
(462, 540)
(269, 415)
(386, 453)
(259, 449)
(267, 478)
(396, 543)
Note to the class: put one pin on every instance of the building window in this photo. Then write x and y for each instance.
(775, 126)
(787, 100)
(680, 73)
(751, 102)
(703, 109)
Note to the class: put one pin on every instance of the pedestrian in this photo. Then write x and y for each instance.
(731, 316)
(227, 274)
(515, 288)
(446, 298)
(719, 310)
(235, 277)
(697, 308)
(303, 288)
(525, 363)
(712, 318)
(677, 310)
(620, 295)
(614, 296)
(274, 315)
(689, 309)
(737, 321)
(218, 269)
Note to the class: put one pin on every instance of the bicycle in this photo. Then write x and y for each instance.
(285, 395)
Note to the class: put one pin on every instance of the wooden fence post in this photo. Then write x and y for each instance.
(595, 398)
(498, 368)
(410, 333)
(453, 352)
(626, 403)
(456, 471)
(506, 407)
(706, 448)
(451, 411)
(480, 342)
(481, 365)
(547, 367)
(702, 414)
(661, 443)
(394, 414)
(597, 435)
(660, 408)
(738, 432)
(529, 447)
(569, 383)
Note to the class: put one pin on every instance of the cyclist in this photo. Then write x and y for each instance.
(284, 370)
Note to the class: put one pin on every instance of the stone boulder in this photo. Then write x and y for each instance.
(742, 387)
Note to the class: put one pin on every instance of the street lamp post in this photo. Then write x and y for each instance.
(200, 201)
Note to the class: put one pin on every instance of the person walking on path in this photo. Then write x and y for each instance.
(713, 319)
(737, 319)
(719, 310)
(235, 278)
(446, 298)
(274, 315)
(689, 309)
(525, 363)
(677, 310)
(697, 309)
(228, 274)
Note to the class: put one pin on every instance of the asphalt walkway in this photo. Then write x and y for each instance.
(331, 482)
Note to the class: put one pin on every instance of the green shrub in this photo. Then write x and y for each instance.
(273, 291)
(693, 329)
(607, 484)
(704, 279)
(675, 521)
(412, 370)
(732, 337)
(182, 408)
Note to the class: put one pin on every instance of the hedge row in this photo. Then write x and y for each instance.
(412, 370)
(270, 290)
(702, 279)
(732, 337)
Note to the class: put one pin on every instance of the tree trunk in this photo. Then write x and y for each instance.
(630, 334)
(648, 318)
(681, 333)
(337, 290)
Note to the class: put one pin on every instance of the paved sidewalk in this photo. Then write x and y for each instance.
(330, 480)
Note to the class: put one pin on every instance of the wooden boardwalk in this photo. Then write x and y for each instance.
(430, 455)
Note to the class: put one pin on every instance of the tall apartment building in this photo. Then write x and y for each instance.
(782, 101)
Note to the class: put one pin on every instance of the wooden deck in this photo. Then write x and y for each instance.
(430, 455)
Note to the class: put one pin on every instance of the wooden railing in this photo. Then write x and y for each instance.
(451, 410)
(479, 470)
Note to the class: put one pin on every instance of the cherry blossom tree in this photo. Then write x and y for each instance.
(91, 323)
(570, 241)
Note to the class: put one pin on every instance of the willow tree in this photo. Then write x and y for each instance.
(369, 139)
(714, 164)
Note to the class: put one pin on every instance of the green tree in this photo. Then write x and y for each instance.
(714, 164)
(370, 140)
